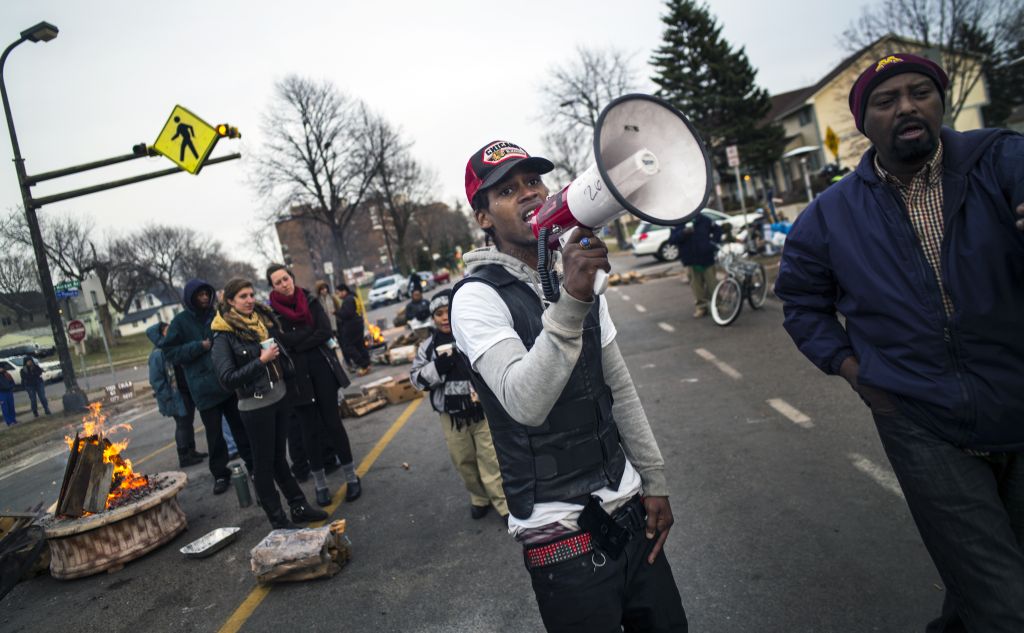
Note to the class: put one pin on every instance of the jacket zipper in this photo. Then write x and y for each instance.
(947, 331)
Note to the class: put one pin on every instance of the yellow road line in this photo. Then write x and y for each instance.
(245, 610)
(160, 450)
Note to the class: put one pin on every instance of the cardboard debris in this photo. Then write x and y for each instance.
(356, 406)
(290, 555)
(400, 390)
(401, 355)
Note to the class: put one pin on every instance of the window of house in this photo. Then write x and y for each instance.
(804, 116)
(138, 304)
(7, 321)
(149, 298)
(814, 160)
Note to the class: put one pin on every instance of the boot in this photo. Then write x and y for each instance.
(323, 497)
(279, 520)
(302, 513)
(354, 490)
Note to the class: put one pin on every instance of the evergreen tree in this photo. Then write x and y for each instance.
(698, 71)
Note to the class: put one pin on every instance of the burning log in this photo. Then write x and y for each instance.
(97, 476)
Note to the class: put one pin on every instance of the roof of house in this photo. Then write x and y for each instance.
(141, 315)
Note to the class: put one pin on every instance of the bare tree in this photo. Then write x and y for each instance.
(169, 254)
(573, 96)
(18, 279)
(400, 189)
(323, 150)
(961, 30)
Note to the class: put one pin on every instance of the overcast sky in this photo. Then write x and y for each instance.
(453, 74)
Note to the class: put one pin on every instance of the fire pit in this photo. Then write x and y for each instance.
(107, 514)
(98, 542)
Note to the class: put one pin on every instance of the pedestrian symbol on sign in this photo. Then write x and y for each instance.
(186, 132)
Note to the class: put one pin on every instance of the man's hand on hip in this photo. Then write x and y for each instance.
(581, 264)
(659, 522)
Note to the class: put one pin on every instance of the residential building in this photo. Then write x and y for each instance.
(152, 307)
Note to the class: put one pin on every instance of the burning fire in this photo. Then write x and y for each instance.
(95, 431)
(375, 334)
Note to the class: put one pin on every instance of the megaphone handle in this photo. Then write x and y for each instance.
(600, 282)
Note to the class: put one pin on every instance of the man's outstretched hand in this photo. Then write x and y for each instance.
(659, 522)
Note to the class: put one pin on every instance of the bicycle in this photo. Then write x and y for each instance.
(744, 279)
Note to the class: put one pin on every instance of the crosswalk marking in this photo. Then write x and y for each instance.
(665, 326)
(791, 412)
(640, 308)
(882, 476)
(723, 367)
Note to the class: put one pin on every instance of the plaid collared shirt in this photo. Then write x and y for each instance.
(923, 199)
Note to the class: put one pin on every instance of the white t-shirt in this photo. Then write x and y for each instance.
(484, 321)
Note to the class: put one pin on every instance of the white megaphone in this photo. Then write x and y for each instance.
(649, 161)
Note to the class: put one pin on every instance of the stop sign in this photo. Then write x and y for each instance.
(76, 331)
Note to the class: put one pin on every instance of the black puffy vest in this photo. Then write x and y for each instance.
(576, 450)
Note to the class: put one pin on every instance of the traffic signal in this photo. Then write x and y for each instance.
(226, 130)
(140, 149)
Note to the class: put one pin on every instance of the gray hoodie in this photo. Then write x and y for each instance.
(527, 383)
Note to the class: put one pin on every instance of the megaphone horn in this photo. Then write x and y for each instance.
(649, 161)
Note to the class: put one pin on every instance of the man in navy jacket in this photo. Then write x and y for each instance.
(922, 251)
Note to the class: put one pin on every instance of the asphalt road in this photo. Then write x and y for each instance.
(788, 518)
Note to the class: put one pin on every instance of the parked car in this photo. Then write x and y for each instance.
(387, 290)
(51, 369)
(27, 349)
(428, 282)
(652, 239)
(442, 276)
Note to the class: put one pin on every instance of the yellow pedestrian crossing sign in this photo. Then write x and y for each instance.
(186, 139)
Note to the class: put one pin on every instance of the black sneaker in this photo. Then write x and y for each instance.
(323, 497)
(195, 453)
(189, 460)
(220, 486)
(478, 512)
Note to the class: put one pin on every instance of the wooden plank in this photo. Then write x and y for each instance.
(96, 492)
(90, 457)
(68, 469)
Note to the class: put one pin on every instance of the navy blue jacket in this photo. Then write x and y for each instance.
(855, 251)
(698, 247)
(183, 345)
(162, 378)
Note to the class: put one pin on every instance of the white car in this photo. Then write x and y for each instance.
(387, 290)
(652, 239)
(51, 369)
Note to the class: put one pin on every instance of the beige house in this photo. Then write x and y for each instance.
(807, 114)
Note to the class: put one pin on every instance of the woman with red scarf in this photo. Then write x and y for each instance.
(305, 330)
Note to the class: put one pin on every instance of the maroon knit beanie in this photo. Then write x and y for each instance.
(887, 67)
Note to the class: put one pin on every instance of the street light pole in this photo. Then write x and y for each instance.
(74, 398)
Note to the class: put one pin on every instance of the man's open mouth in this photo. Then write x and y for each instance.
(529, 213)
(911, 131)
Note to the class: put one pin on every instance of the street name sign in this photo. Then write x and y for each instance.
(67, 289)
(186, 139)
(76, 330)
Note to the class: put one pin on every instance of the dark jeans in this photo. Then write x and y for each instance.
(7, 404)
(584, 595)
(267, 429)
(321, 419)
(37, 390)
(215, 438)
(184, 431)
(970, 514)
(301, 463)
(353, 347)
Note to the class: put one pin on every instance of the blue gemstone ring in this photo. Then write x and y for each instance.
(585, 243)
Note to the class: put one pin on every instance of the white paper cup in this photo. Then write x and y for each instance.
(268, 343)
(445, 350)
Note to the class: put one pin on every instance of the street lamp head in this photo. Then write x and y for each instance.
(42, 32)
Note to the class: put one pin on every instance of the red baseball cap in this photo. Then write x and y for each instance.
(494, 161)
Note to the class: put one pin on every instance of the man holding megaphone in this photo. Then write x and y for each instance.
(581, 470)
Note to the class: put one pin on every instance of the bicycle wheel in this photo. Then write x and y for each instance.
(726, 301)
(758, 287)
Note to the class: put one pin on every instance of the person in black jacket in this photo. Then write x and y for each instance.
(305, 331)
(34, 385)
(249, 362)
(418, 308)
(696, 242)
(350, 330)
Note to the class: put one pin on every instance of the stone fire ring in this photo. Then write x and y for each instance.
(89, 545)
